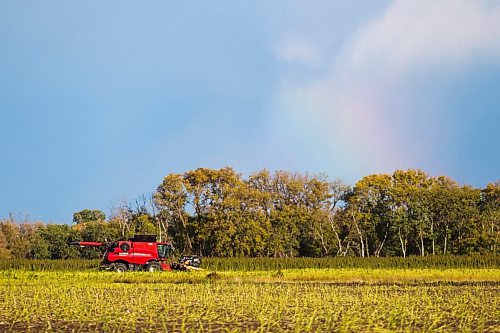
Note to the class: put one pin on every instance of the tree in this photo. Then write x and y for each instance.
(339, 192)
(466, 235)
(144, 223)
(57, 237)
(121, 215)
(39, 248)
(4, 251)
(371, 197)
(21, 246)
(410, 207)
(489, 206)
(171, 199)
(88, 215)
(287, 215)
(444, 205)
(224, 207)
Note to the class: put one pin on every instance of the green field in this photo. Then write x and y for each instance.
(291, 300)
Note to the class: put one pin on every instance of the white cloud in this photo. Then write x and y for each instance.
(426, 32)
(358, 106)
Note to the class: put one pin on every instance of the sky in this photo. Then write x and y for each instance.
(99, 100)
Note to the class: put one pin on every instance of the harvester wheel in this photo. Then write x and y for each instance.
(121, 268)
(153, 267)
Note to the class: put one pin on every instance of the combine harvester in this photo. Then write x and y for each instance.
(141, 252)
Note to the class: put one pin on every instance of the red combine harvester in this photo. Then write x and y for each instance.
(142, 252)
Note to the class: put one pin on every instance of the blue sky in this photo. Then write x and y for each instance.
(99, 100)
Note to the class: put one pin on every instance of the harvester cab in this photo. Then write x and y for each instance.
(141, 252)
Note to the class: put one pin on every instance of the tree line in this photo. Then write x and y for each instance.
(220, 213)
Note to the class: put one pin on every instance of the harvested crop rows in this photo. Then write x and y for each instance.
(291, 300)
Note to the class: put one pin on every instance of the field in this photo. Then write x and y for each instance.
(44, 298)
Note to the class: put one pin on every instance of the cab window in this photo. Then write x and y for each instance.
(163, 250)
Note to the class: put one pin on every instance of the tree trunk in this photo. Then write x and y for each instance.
(379, 248)
(186, 231)
(321, 235)
(445, 241)
(403, 244)
(360, 235)
(323, 245)
(433, 240)
(347, 247)
(381, 245)
(339, 241)
(362, 242)
(493, 246)
(339, 251)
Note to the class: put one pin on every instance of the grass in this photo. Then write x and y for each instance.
(291, 300)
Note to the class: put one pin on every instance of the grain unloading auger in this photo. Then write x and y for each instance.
(142, 252)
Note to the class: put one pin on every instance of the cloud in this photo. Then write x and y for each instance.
(425, 32)
(367, 119)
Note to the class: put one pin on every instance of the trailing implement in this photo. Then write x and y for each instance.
(141, 252)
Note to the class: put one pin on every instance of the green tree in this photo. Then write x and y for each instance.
(466, 235)
(57, 237)
(489, 206)
(39, 248)
(287, 214)
(88, 215)
(144, 224)
(371, 197)
(445, 205)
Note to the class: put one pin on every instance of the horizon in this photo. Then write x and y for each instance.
(100, 101)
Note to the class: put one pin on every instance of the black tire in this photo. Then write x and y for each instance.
(120, 268)
(153, 267)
